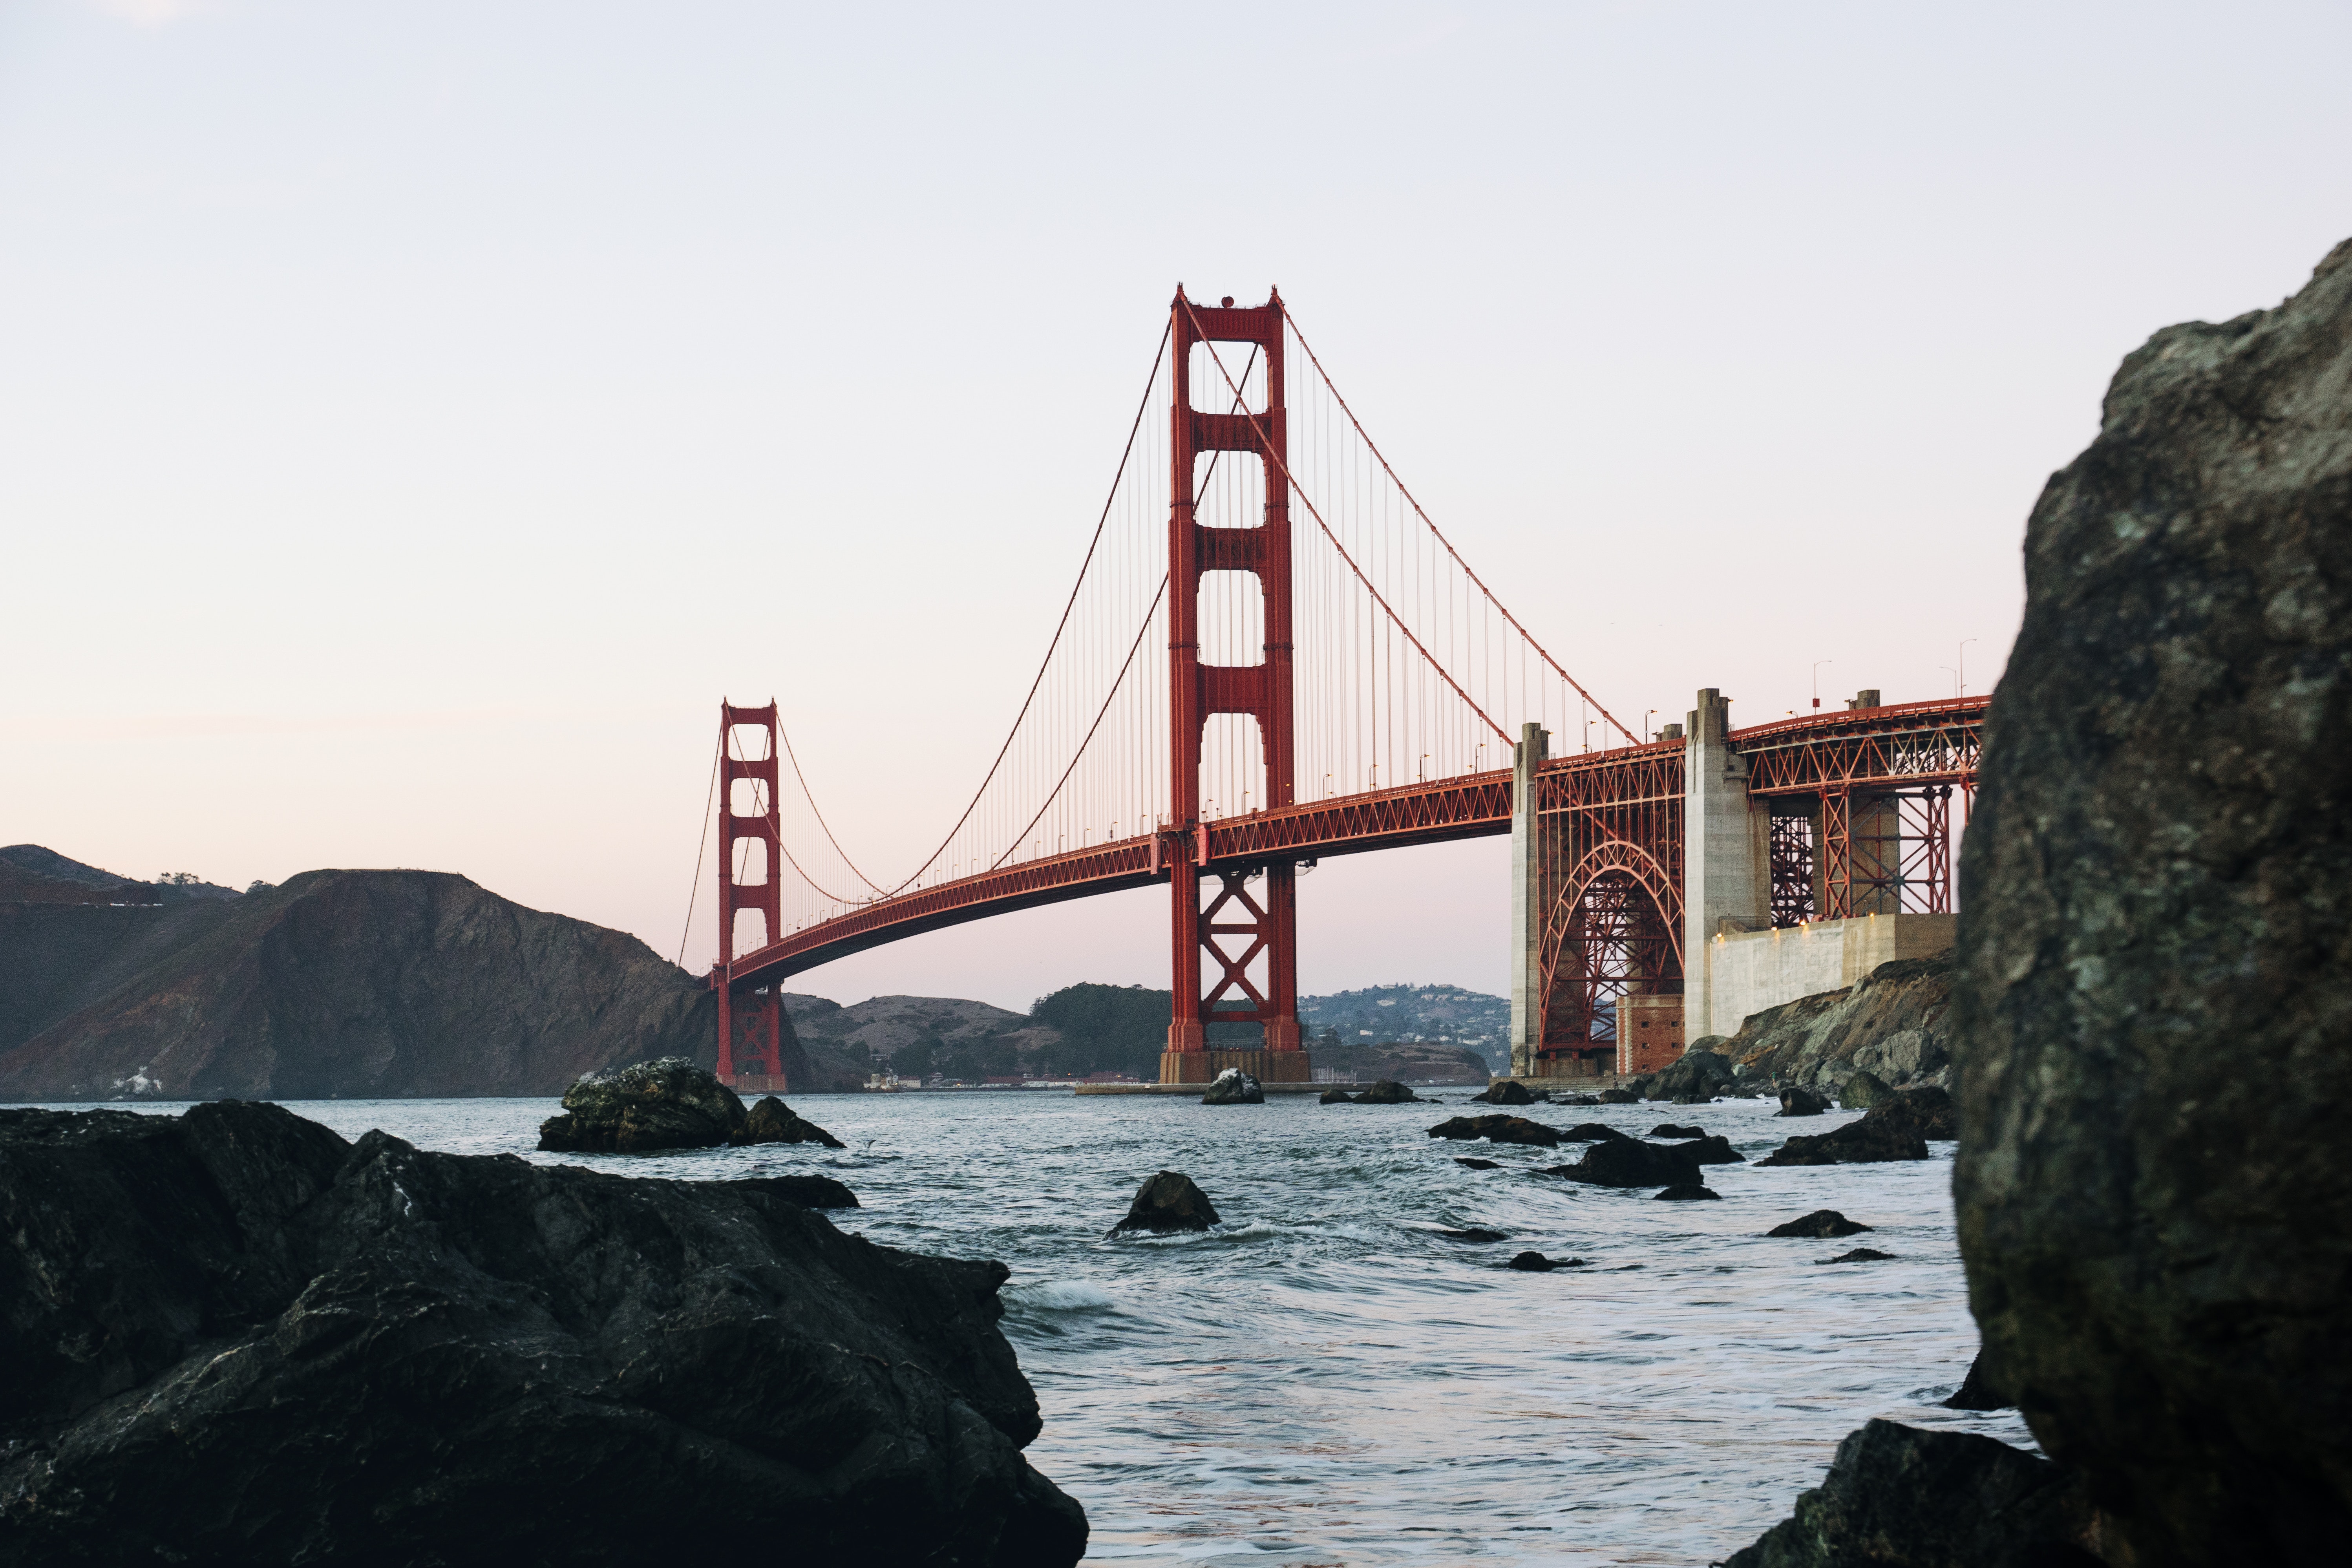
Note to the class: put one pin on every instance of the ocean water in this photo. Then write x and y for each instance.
(1324, 1379)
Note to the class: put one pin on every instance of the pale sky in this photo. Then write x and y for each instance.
(415, 418)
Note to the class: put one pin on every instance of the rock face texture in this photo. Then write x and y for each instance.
(1895, 1024)
(1898, 1496)
(358, 984)
(232, 1337)
(1695, 1077)
(2153, 1023)
(1168, 1201)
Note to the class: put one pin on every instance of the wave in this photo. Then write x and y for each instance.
(1060, 1296)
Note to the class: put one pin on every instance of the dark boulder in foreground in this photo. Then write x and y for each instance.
(1690, 1191)
(1668, 1130)
(1476, 1164)
(1505, 1091)
(1697, 1075)
(1821, 1224)
(1631, 1163)
(235, 1337)
(1235, 1086)
(1168, 1201)
(1798, 1100)
(1862, 1255)
(2153, 1019)
(1907, 1498)
(668, 1103)
(1976, 1391)
(1498, 1129)
(1387, 1091)
(774, 1121)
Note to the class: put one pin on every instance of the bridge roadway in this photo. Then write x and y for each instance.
(1903, 746)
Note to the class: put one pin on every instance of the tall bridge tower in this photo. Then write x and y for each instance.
(1237, 926)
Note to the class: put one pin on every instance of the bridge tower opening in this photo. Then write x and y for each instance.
(751, 1023)
(1248, 933)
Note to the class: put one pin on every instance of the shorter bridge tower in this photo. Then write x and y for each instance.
(752, 1023)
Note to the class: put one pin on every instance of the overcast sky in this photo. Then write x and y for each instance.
(415, 418)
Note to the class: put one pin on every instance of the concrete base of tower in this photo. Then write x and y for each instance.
(1267, 1066)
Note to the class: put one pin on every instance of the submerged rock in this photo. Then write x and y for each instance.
(1235, 1086)
(1821, 1224)
(1387, 1091)
(1631, 1163)
(1800, 1101)
(1862, 1255)
(1897, 1495)
(1476, 1164)
(1498, 1128)
(1532, 1262)
(669, 1104)
(2154, 1004)
(1668, 1130)
(1505, 1091)
(319, 1351)
(774, 1121)
(1168, 1201)
(1595, 1132)
(1573, 1098)
(1472, 1233)
(1686, 1191)
(1976, 1391)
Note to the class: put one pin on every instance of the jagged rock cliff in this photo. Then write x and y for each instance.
(2152, 1026)
(1892, 1024)
(353, 984)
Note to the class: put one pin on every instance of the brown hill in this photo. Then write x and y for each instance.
(349, 983)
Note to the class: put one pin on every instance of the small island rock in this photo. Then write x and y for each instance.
(1798, 1101)
(1686, 1192)
(1235, 1086)
(1631, 1163)
(1168, 1201)
(1474, 1163)
(1387, 1091)
(1505, 1091)
(1861, 1255)
(1821, 1224)
(774, 1121)
(1335, 1095)
(667, 1103)
(1531, 1263)
(1498, 1129)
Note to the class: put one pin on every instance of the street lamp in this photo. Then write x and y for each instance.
(1961, 675)
(1817, 679)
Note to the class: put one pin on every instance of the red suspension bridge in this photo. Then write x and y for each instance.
(1272, 654)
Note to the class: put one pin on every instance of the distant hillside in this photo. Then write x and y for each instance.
(30, 872)
(1433, 1015)
(351, 983)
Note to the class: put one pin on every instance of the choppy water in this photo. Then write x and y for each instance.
(1325, 1380)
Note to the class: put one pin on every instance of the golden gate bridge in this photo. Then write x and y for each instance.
(1273, 654)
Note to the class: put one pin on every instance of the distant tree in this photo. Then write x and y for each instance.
(918, 1060)
(1107, 1028)
(179, 879)
(258, 886)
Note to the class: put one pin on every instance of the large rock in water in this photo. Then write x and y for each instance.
(1168, 1201)
(232, 1337)
(1631, 1163)
(1899, 1496)
(1498, 1128)
(643, 1110)
(1235, 1086)
(1885, 1131)
(1387, 1091)
(2153, 1019)
(1698, 1075)
(774, 1121)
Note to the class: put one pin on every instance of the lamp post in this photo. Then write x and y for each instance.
(1817, 679)
(1961, 674)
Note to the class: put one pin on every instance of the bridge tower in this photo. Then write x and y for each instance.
(752, 1026)
(1236, 927)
